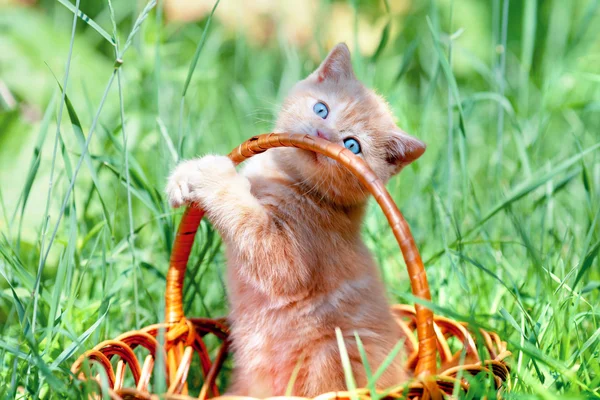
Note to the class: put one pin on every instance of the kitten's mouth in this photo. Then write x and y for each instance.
(316, 157)
(322, 160)
(319, 158)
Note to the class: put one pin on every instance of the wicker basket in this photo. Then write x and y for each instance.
(437, 369)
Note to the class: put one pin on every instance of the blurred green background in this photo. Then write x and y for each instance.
(504, 205)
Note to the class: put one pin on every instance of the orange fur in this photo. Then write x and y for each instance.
(297, 267)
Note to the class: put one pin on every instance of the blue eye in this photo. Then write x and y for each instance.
(321, 110)
(352, 145)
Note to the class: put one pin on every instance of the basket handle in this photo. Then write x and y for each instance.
(258, 144)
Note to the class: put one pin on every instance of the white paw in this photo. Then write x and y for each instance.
(192, 180)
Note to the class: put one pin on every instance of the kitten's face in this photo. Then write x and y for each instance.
(333, 104)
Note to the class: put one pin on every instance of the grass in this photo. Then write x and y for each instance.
(504, 206)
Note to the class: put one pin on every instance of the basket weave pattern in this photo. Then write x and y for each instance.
(436, 368)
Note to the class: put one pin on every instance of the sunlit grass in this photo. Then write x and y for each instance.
(504, 205)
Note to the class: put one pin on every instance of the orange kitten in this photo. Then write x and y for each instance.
(297, 267)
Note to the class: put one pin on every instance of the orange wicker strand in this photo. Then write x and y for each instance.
(146, 373)
(184, 336)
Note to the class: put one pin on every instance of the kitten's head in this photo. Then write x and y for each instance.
(331, 103)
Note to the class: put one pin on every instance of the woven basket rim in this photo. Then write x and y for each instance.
(185, 335)
(192, 216)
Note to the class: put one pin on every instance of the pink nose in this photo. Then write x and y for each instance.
(322, 135)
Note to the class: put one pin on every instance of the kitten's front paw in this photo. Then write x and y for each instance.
(192, 180)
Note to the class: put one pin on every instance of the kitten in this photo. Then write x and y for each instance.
(297, 267)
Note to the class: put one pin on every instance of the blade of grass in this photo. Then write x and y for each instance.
(196, 57)
(385, 36)
(143, 196)
(453, 89)
(17, 270)
(45, 222)
(65, 156)
(562, 284)
(587, 262)
(14, 350)
(4, 213)
(368, 372)
(560, 185)
(136, 26)
(450, 119)
(74, 292)
(290, 386)
(429, 96)
(509, 318)
(33, 168)
(190, 73)
(593, 340)
(44, 255)
(43, 368)
(500, 75)
(131, 236)
(584, 24)
(70, 350)
(452, 86)
(527, 48)
(163, 131)
(386, 363)
(16, 301)
(409, 54)
(80, 137)
(77, 13)
(349, 376)
(157, 59)
(444, 215)
(65, 261)
(386, 4)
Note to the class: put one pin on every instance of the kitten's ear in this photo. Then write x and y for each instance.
(337, 66)
(403, 149)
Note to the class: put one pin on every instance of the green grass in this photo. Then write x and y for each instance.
(504, 205)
